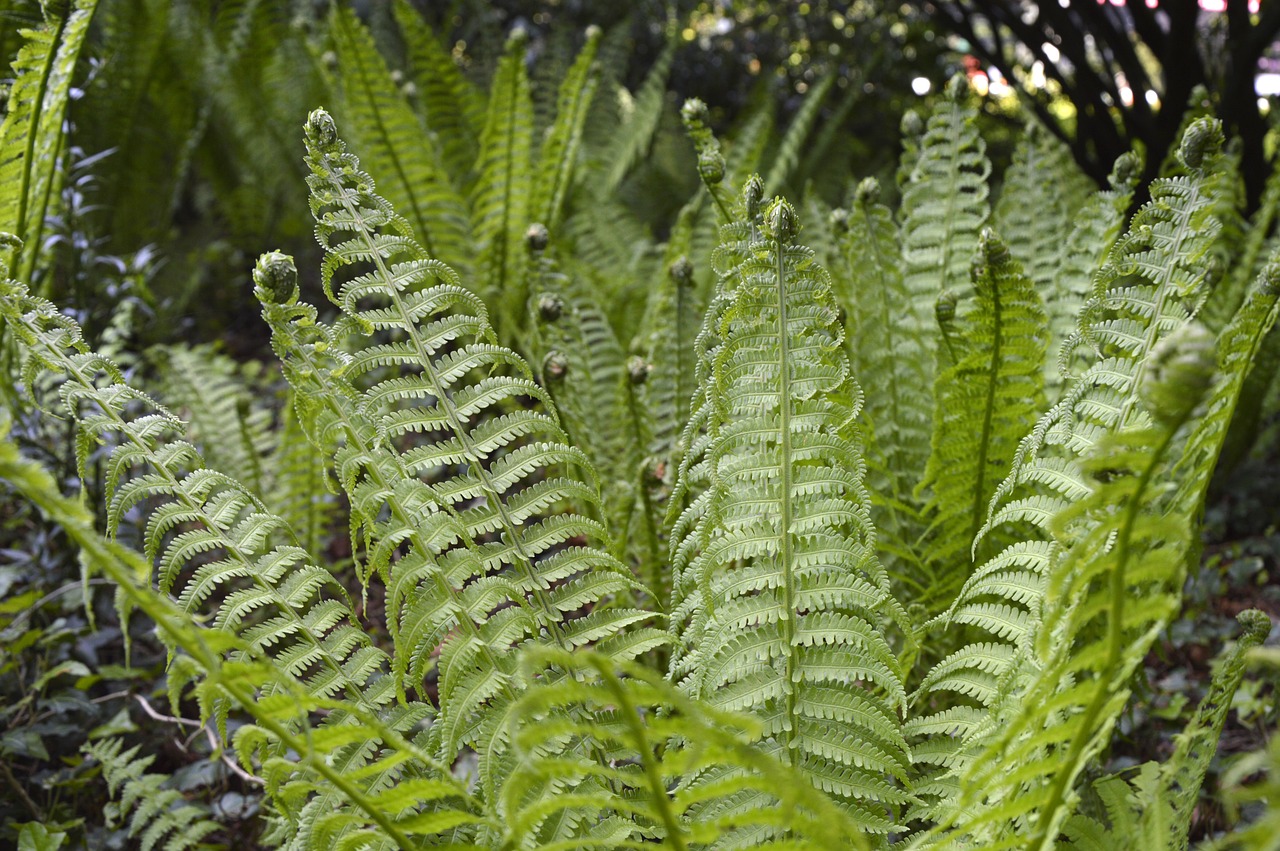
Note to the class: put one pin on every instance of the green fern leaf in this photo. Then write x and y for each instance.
(650, 743)
(440, 455)
(891, 338)
(394, 146)
(453, 108)
(1150, 285)
(281, 641)
(944, 203)
(1154, 810)
(31, 137)
(790, 595)
(559, 152)
(501, 208)
(986, 400)
(157, 812)
(1106, 599)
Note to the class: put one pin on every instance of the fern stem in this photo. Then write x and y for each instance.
(786, 555)
(658, 788)
(988, 412)
(1043, 839)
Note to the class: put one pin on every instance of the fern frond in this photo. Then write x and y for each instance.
(504, 188)
(1154, 809)
(558, 155)
(892, 338)
(1150, 286)
(633, 138)
(797, 136)
(944, 202)
(454, 108)
(393, 146)
(31, 136)
(654, 742)
(300, 490)
(1096, 229)
(1115, 587)
(233, 434)
(987, 400)
(1034, 211)
(456, 467)
(158, 815)
(790, 597)
(281, 641)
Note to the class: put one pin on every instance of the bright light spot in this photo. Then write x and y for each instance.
(1051, 52)
(1153, 99)
(1267, 84)
(1221, 5)
(980, 83)
(998, 86)
(1126, 95)
(1264, 106)
(921, 86)
(1037, 75)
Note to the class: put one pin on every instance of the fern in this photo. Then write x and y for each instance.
(158, 813)
(986, 401)
(1038, 180)
(1096, 229)
(31, 136)
(404, 158)
(501, 208)
(233, 433)
(558, 154)
(1154, 810)
(654, 740)
(453, 108)
(472, 501)
(1150, 285)
(891, 338)
(790, 595)
(283, 622)
(1106, 599)
(944, 202)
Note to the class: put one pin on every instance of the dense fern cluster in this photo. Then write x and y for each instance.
(849, 535)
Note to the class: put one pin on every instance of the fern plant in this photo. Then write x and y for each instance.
(795, 627)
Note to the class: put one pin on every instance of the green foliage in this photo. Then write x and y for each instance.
(757, 537)
(31, 138)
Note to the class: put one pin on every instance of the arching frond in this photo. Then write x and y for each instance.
(944, 202)
(667, 769)
(1150, 286)
(281, 640)
(452, 106)
(453, 459)
(1154, 809)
